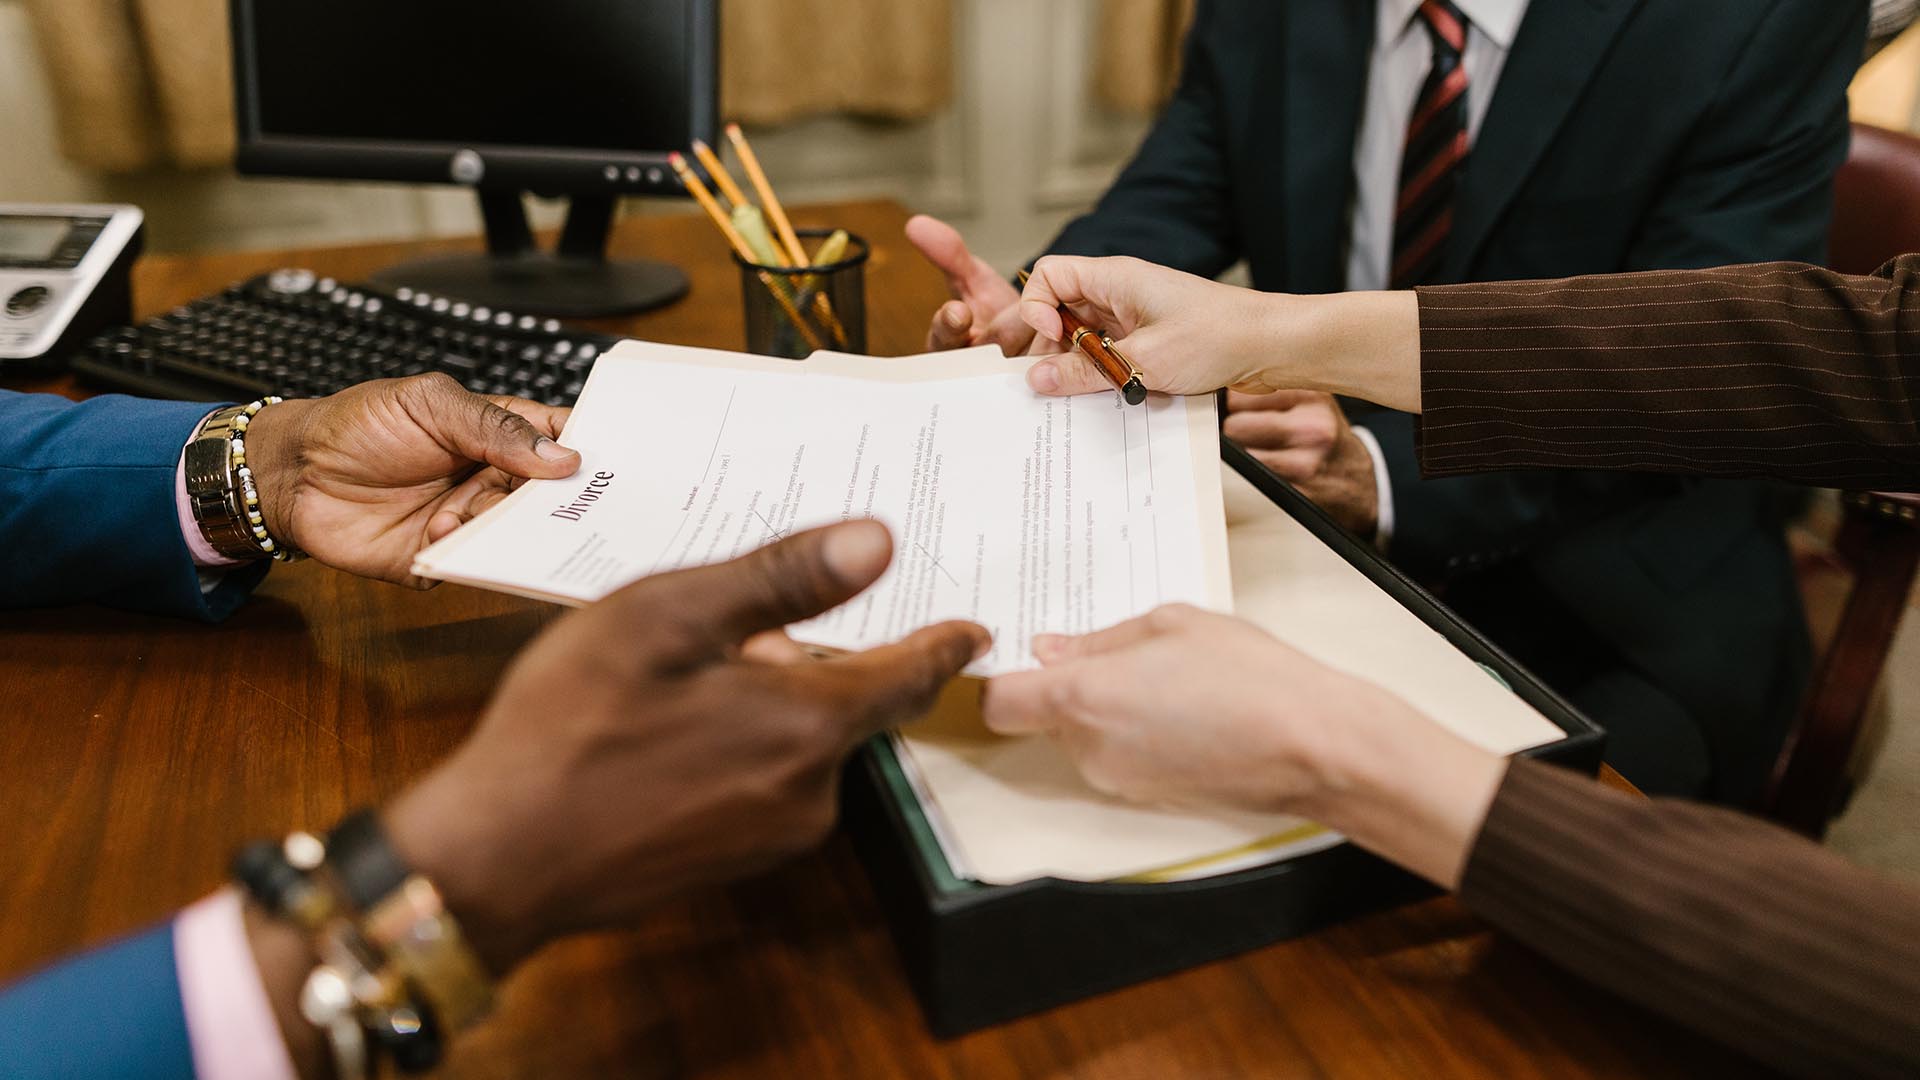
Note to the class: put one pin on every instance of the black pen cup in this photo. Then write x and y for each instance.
(794, 311)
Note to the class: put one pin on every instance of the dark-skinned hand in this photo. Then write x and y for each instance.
(364, 479)
(664, 739)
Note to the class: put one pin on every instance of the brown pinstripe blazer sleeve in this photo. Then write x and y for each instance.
(1735, 927)
(1779, 369)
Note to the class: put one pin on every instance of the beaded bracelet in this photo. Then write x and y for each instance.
(243, 477)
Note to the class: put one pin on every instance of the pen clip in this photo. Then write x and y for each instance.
(1120, 356)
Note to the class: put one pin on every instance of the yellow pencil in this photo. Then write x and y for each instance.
(706, 200)
(721, 177)
(768, 201)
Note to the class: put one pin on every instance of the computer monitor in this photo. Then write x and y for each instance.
(580, 98)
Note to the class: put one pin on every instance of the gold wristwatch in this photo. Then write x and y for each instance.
(220, 487)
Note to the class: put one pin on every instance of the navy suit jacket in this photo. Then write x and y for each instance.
(87, 507)
(1623, 135)
(112, 1012)
(87, 513)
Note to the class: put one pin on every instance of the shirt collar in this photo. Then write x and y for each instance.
(1499, 20)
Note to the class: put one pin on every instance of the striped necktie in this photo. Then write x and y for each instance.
(1435, 153)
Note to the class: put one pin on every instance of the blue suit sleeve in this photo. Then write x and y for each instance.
(87, 507)
(115, 1011)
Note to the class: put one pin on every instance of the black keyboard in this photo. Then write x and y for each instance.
(297, 335)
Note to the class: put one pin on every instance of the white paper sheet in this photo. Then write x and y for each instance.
(1023, 513)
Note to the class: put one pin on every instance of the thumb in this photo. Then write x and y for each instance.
(480, 430)
(691, 617)
(891, 684)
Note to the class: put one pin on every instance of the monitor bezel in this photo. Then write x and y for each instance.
(545, 170)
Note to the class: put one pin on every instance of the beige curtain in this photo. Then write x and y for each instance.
(143, 84)
(1138, 60)
(138, 83)
(786, 59)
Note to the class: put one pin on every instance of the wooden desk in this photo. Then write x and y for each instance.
(136, 753)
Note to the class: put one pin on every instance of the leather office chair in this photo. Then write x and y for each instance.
(1876, 217)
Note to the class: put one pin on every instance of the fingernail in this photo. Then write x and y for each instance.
(857, 551)
(1044, 377)
(550, 450)
(983, 645)
(954, 319)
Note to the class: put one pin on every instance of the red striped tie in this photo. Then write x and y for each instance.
(1435, 153)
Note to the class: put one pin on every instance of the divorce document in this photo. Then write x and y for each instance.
(1023, 513)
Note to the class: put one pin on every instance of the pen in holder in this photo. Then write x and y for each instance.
(793, 310)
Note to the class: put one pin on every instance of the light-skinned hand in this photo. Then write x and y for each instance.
(1189, 708)
(1154, 315)
(1304, 437)
(985, 308)
(1189, 335)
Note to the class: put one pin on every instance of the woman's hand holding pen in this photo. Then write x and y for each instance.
(1189, 335)
(1185, 334)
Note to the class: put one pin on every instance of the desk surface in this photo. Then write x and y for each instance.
(136, 753)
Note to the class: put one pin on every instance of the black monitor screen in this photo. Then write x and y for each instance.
(586, 74)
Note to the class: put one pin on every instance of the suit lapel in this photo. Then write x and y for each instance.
(1554, 56)
(1328, 43)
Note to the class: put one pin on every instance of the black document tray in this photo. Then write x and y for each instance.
(979, 954)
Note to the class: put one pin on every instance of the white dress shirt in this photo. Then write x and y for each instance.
(1402, 56)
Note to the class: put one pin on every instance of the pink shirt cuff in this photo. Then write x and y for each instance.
(203, 553)
(230, 1021)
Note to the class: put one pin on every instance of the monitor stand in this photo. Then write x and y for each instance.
(574, 281)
